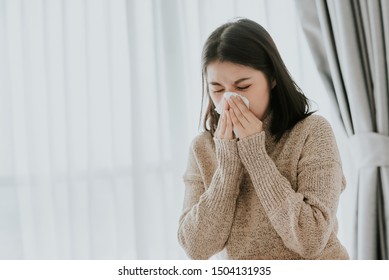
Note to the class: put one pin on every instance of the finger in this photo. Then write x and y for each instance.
(229, 127)
(236, 122)
(226, 105)
(238, 112)
(249, 115)
(223, 125)
(239, 102)
(242, 106)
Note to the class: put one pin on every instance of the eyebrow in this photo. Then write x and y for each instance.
(236, 82)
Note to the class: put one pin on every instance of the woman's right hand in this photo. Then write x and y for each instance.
(224, 128)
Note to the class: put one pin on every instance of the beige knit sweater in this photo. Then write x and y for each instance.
(255, 198)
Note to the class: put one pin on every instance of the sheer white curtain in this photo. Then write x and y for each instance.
(99, 100)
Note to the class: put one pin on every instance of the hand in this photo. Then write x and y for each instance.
(243, 119)
(224, 126)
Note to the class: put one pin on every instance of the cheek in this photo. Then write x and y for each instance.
(259, 102)
(216, 98)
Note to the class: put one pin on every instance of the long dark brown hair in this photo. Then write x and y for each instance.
(245, 42)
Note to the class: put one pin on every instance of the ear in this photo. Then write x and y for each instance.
(273, 83)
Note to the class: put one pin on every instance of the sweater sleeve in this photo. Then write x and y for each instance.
(305, 218)
(208, 212)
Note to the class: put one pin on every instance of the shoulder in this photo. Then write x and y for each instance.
(317, 138)
(314, 126)
(314, 121)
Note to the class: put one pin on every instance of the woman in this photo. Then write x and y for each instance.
(270, 190)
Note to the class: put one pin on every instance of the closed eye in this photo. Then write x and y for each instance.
(243, 88)
(218, 91)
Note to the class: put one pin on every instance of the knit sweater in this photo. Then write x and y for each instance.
(256, 198)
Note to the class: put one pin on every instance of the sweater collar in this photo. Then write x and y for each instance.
(266, 121)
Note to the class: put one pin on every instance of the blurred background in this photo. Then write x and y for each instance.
(99, 101)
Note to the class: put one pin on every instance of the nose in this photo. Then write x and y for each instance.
(229, 89)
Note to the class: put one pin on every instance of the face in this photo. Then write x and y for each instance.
(249, 82)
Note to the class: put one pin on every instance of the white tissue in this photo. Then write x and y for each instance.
(227, 95)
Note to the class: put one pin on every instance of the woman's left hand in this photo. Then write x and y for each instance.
(243, 119)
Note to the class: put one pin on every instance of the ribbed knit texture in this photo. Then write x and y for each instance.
(256, 198)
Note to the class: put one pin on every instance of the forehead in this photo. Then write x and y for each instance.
(228, 71)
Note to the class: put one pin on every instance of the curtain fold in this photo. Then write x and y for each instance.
(349, 42)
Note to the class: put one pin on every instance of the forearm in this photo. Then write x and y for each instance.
(302, 219)
(207, 218)
(204, 228)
